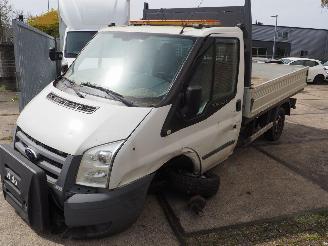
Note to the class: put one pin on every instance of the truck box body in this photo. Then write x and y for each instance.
(271, 84)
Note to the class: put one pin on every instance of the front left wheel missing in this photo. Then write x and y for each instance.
(189, 184)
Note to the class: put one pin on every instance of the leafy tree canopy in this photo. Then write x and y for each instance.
(48, 23)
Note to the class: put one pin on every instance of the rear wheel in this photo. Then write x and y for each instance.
(278, 126)
(319, 79)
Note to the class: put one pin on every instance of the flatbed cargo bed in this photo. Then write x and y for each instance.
(272, 84)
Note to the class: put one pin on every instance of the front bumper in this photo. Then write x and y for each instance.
(113, 210)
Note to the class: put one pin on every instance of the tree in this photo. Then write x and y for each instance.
(324, 3)
(6, 12)
(48, 23)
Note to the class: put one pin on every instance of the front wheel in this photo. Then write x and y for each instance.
(278, 126)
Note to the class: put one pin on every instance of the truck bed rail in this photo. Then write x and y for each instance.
(271, 85)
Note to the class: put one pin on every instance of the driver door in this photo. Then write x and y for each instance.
(213, 132)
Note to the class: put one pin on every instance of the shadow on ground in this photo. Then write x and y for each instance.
(264, 189)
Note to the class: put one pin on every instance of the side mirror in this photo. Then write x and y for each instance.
(55, 55)
(193, 101)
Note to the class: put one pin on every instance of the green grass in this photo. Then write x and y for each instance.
(7, 85)
(305, 229)
(3, 88)
(10, 138)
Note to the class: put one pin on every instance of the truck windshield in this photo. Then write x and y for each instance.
(138, 66)
(75, 42)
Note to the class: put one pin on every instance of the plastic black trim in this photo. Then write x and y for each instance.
(30, 197)
(226, 145)
(120, 207)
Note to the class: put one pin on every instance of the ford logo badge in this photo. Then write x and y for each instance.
(31, 154)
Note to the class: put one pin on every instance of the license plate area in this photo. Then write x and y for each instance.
(13, 178)
(24, 187)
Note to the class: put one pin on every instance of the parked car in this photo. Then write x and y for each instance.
(326, 65)
(317, 71)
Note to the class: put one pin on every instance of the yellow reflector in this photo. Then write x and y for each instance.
(175, 22)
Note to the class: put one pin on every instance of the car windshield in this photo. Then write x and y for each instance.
(286, 61)
(326, 64)
(138, 66)
(76, 41)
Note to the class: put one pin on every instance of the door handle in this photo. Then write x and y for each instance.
(238, 105)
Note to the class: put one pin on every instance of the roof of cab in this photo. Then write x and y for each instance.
(174, 30)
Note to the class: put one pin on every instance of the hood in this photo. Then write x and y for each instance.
(73, 132)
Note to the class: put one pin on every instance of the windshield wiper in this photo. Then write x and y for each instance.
(72, 84)
(116, 96)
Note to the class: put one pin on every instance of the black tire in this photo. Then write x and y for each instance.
(206, 185)
(319, 79)
(278, 126)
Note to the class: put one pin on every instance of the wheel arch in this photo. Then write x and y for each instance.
(187, 159)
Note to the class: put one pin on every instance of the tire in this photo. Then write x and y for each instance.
(275, 132)
(207, 185)
(319, 79)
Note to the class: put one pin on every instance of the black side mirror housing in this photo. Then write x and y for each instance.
(193, 101)
(55, 55)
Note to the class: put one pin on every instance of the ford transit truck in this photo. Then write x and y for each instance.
(174, 90)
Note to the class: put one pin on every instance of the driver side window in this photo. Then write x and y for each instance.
(203, 77)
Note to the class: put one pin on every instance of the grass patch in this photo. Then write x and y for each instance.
(7, 85)
(305, 229)
(3, 88)
(10, 138)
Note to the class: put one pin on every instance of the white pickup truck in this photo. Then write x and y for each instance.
(140, 99)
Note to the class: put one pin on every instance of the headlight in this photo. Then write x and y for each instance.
(96, 165)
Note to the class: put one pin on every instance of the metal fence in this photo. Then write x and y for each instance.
(7, 61)
(34, 69)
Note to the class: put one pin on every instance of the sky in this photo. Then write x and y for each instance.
(297, 13)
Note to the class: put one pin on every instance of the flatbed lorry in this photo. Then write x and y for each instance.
(139, 100)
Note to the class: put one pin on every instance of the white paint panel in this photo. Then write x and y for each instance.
(75, 132)
(95, 14)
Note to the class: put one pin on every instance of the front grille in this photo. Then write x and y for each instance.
(72, 105)
(49, 159)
